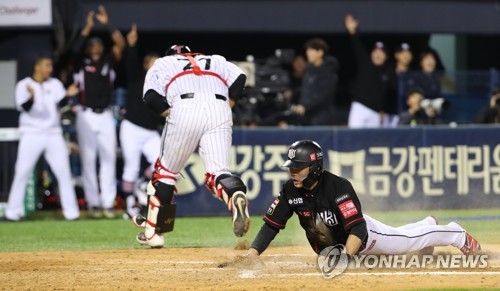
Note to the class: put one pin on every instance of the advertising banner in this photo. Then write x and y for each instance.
(25, 13)
(390, 169)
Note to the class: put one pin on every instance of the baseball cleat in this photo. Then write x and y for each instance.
(139, 221)
(241, 218)
(95, 212)
(471, 245)
(141, 238)
(156, 242)
(130, 212)
(109, 213)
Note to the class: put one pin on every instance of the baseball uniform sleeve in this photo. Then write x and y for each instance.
(59, 90)
(24, 100)
(232, 73)
(278, 213)
(153, 80)
(348, 206)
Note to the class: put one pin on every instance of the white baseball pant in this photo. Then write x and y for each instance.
(97, 138)
(202, 122)
(361, 116)
(31, 146)
(134, 141)
(388, 240)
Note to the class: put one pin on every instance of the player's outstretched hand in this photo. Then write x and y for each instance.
(90, 18)
(89, 25)
(351, 24)
(244, 262)
(102, 15)
(132, 36)
(31, 90)
(72, 90)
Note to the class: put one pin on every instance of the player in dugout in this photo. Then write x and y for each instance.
(330, 213)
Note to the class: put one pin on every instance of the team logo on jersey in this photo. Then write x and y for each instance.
(348, 209)
(305, 213)
(328, 218)
(270, 211)
(295, 201)
(90, 69)
(291, 153)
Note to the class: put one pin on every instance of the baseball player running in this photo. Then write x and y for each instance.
(138, 131)
(37, 98)
(330, 213)
(195, 89)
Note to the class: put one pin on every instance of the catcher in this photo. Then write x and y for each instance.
(330, 213)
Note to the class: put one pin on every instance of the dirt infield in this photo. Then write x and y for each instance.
(283, 268)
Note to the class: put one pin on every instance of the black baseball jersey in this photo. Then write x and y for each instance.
(96, 82)
(137, 111)
(327, 213)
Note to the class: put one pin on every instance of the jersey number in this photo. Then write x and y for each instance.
(190, 67)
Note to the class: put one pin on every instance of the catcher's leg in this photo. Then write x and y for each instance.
(232, 191)
(160, 217)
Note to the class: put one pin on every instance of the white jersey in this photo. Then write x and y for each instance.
(172, 76)
(43, 115)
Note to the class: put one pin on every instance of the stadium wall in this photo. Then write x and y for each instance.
(390, 169)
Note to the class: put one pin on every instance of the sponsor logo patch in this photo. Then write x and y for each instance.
(312, 157)
(295, 201)
(348, 209)
(270, 211)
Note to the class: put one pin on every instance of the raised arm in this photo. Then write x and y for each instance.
(116, 35)
(87, 29)
(351, 24)
(132, 64)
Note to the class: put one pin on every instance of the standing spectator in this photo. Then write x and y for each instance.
(491, 113)
(292, 95)
(374, 83)
(427, 78)
(94, 120)
(318, 85)
(139, 130)
(403, 57)
(299, 65)
(37, 98)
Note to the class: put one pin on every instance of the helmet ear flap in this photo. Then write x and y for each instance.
(315, 171)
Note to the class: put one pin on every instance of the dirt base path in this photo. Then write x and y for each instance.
(282, 268)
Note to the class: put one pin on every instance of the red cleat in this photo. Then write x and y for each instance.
(471, 245)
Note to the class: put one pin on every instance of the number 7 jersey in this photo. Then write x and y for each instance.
(173, 76)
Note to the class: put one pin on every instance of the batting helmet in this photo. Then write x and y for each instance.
(177, 49)
(306, 153)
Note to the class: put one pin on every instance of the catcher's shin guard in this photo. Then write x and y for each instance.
(153, 239)
(161, 214)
